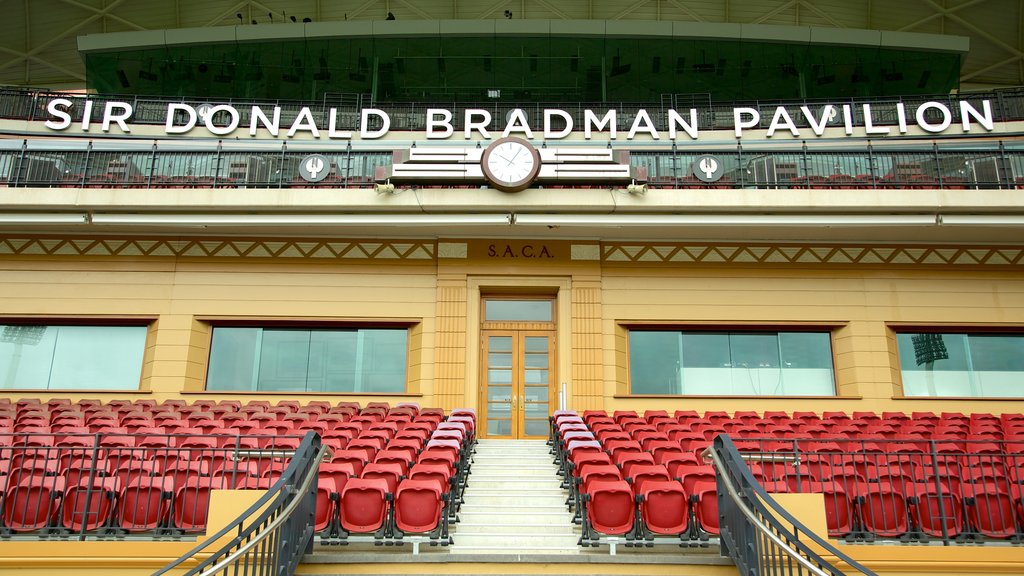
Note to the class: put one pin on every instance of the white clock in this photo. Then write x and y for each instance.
(510, 164)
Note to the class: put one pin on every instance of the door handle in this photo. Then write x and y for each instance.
(515, 401)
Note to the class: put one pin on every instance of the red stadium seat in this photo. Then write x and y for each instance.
(883, 509)
(936, 509)
(145, 504)
(990, 510)
(32, 503)
(609, 509)
(664, 508)
(389, 472)
(419, 507)
(704, 500)
(191, 504)
(364, 506)
(89, 504)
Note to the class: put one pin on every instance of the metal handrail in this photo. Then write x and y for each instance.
(275, 491)
(765, 530)
(325, 451)
(722, 443)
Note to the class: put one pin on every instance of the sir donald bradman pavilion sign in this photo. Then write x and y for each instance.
(553, 124)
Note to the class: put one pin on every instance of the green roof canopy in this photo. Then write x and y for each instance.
(522, 61)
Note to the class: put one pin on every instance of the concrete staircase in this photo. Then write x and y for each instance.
(514, 503)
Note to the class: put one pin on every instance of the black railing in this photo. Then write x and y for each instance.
(918, 487)
(949, 165)
(273, 534)
(29, 104)
(72, 485)
(758, 534)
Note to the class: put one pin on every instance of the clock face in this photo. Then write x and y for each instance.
(510, 164)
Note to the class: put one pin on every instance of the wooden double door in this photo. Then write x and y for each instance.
(518, 382)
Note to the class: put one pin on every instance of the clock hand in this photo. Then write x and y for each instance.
(513, 159)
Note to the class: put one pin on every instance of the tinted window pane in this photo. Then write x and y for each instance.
(755, 350)
(72, 357)
(654, 362)
(805, 350)
(724, 364)
(968, 365)
(997, 352)
(297, 360)
(517, 310)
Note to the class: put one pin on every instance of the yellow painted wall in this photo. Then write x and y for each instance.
(439, 295)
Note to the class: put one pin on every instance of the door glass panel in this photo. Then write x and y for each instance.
(536, 428)
(518, 311)
(536, 376)
(499, 376)
(499, 360)
(499, 393)
(500, 344)
(536, 394)
(537, 360)
(499, 409)
(537, 344)
(536, 410)
(499, 427)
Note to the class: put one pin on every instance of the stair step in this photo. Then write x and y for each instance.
(516, 524)
(497, 549)
(520, 501)
(517, 540)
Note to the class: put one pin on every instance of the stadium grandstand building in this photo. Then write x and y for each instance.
(532, 287)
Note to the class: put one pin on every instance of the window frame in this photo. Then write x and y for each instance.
(831, 328)
(411, 342)
(128, 321)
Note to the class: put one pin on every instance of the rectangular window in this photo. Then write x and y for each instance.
(962, 364)
(731, 363)
(370, 360)
(71, 357)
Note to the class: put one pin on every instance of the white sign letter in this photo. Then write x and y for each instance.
(65, 118)
(480, 126)
(675, 120)
(258, 117)
(172, 111)
(549, 116)
(517, 122)
(782, 119)
(439, 123)
(590, 121)
(739, 124)
(642, 123)
(364, 124)
(304, 121)
(984, 117)
(221, 130)
(109, 116)
(922, 121)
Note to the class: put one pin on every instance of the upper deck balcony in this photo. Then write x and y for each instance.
(946, 170)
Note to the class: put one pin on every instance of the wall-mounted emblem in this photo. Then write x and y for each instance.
(707, 168)
(314, 167)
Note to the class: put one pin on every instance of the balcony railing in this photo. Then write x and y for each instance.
(39, 163)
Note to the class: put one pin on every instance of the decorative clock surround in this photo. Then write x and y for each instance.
(510, 164)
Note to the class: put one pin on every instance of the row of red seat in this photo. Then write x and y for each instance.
(625, 490)
(882, 488)
(38, 472)
(912, 496)
(399, 489)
